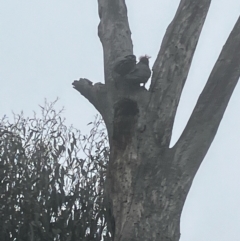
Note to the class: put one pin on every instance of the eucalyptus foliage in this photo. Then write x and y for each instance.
(52, 179)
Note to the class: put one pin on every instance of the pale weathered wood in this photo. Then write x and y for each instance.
(148, 182)
(96, 94)
(114, 33)
(172, 65)
(211, 105)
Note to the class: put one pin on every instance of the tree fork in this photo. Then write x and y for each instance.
(148, 182)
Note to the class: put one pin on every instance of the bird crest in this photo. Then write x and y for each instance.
(144, 56)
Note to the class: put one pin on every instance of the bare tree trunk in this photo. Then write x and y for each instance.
(148, 182)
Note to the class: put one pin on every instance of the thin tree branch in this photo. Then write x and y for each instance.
(114, 33)
(174, 60)
(209, 110)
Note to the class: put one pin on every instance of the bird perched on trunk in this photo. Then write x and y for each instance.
(140, 73)
(125, 65)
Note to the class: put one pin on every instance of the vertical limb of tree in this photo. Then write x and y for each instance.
(172, 65)
(148, 182)
(114, 33)
(211, 105)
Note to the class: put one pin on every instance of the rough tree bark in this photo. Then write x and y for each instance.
(147, 182)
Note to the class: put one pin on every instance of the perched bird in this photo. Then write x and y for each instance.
(124, 66)
(141, 72)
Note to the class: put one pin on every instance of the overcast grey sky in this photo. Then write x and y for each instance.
(45, 45)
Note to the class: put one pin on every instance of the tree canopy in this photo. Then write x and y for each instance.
(52, 179)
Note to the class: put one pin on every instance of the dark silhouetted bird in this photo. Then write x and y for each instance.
(125, 65)
(140, 73)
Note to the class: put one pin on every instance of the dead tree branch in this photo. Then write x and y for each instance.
(114, 33)
(211, 105)
(95, 94)
(171, 68)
